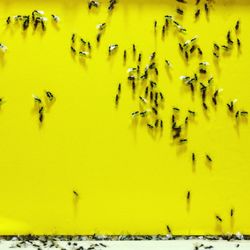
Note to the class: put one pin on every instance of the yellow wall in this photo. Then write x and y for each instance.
(128, 180)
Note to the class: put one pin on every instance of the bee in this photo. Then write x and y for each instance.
(93, 3)
(49, 95)
(209, 158)
(218, 218)
(112, 48)
(179, 11)
(8, 20)
(197, 13)
(26, 22)
(188, 195)
(75, 193)
(237, 25)
(55, 18)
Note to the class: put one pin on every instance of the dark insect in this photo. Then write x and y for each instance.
(93, 4)
(204, 105)
(237, 114)
(179, 11)
(139, 58)
(155, 110)
(134, 49)
(181, 1)
(230, 106)
(169, 230)
(41, 117)
(163, 30)
(191, 112)
(150, 126)
(216, 46)
(188, 195)
(217, 56)
(49, 95)
(152, 56)
(197, 13)
(200, 51)
(155, 24)
(73, 38)
(193, 157)
(124, 55)
(89, 46)
(214, 100)
(146, 91)
(116, 99)
(180, 46)
(119, 88)
(197, 2)
(161, 124)
(232, 212)
(218, 218)
(98, 37)
(156, 123)
(203, 71)
(192, 49)
(186, 55)
(8, 20)
(26, 23)
(156, 71)
(75, 193)
(161, 95)
(237, 25)
(186, 120)
(208, 247)
(238, 42)
(206, 7)
(209, 158)
(151, 95)
(73, 49)
(183, 140)
(133, 85)
(244, 113)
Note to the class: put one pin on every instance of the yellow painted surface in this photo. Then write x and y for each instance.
(128, 179)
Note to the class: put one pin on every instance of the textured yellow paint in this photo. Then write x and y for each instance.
(128, 180)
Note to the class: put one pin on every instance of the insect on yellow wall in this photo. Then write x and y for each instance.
(129, 179)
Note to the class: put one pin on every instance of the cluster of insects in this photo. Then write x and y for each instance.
(36, 19)
(40, 105)
(84, 49)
